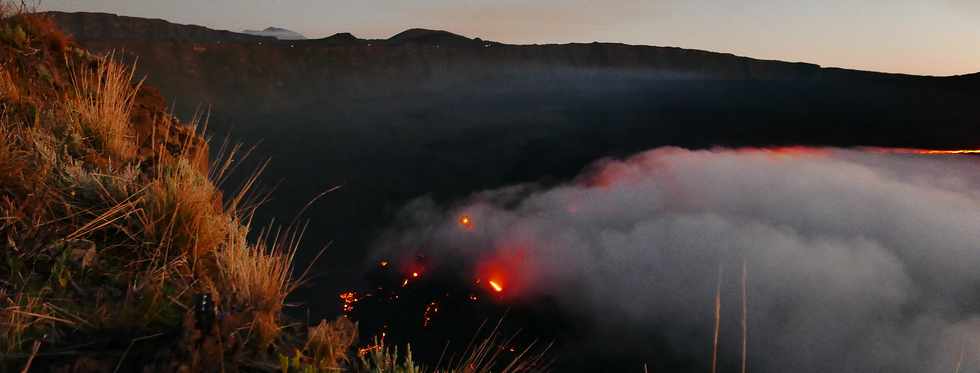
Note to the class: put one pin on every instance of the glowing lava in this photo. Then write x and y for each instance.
(496, 286)
(349, 298)
(430, 310)
(963, 151)
(466, 222)
(922, 151)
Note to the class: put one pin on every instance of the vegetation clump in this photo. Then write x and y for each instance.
(113, 225)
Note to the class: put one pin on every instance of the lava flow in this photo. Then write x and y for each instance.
(922, 151)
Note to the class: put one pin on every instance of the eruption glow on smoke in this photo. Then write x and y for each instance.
(859, 260)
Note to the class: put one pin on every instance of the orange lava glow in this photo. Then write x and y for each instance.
(505, 274)
(941, 152)
(496, 287)
(349, 298)
(415, 274)
(430, 310)
(922, 151)
(466, 222)
(788, 150)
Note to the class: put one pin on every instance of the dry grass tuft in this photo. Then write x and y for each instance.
(101, 103)
(380, 358)
(181, 210)
(20, 316)
(8, 89)
(329, 342)
(487, 356)
(13, 163)
(259, 277)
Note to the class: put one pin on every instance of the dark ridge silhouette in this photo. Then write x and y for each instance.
(419, 35)
(104, 26)
(341, 38)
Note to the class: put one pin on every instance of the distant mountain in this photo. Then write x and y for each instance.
(278, 33)
(434, 37)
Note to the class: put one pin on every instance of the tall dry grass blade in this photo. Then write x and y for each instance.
(117, 212)
(486, 356)
(227, 160)
(42, 316)
(130, 346)
(30, 359)
(959, 360)
(714, 342)
(745, 323)
(443, 353)
(244, 203)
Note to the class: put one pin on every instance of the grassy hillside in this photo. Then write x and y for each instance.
(121, 252)
(119, 249)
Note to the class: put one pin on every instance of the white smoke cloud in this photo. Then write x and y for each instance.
(857, 261)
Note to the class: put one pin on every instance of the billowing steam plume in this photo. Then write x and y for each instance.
(857, 260)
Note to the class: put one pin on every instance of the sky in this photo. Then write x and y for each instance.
(929, 37)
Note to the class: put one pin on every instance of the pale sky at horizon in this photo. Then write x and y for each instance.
(937, 37)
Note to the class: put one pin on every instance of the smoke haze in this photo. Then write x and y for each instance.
(856, 260)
